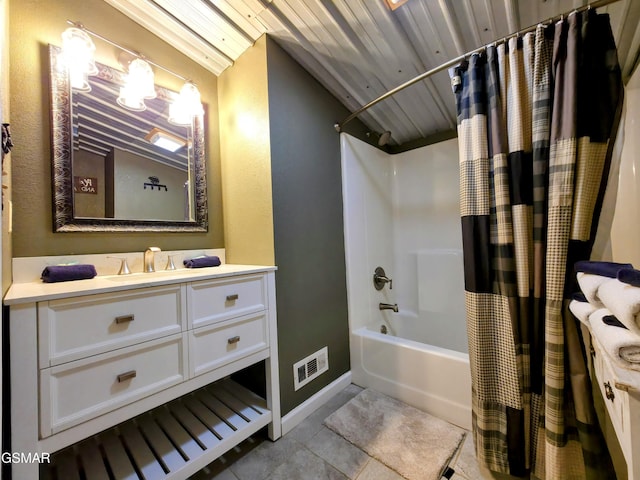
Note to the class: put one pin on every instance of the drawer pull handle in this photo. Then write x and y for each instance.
(231, 298)
(233, 340)
(123, 377)
(609, 391)
(125, 319)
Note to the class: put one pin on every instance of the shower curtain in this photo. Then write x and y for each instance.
(536, 119)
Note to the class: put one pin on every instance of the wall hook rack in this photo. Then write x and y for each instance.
(155, 182)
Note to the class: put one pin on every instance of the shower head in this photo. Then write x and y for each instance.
(384, 138)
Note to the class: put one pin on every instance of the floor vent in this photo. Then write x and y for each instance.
(309, 368)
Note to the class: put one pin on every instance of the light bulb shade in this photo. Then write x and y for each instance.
(140, 78)
(138, 85)
(187, 106)
(78, 50)
(79, 80)
(179, 115)
(131, 100)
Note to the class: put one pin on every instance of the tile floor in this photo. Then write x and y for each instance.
(312, 452)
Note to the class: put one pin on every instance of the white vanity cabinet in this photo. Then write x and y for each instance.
(620, 390)
(132, 375)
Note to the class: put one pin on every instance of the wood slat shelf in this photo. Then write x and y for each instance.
(172, 441)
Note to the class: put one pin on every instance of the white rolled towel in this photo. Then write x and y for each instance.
(620, 344)
(623, 300)
(589, 285)
(582, 310)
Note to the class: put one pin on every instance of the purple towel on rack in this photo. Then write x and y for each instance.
(66, 273)
(604, 269)
(204, 261)
(630, 276)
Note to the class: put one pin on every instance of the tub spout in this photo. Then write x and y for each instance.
(388, 306)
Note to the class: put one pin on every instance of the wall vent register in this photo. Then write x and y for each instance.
(310, 367)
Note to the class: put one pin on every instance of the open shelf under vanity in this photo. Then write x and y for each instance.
(174, 440)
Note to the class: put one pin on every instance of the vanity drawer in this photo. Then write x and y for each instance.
(213, 301)
(75, 328)
(215, 345)
(78, 391)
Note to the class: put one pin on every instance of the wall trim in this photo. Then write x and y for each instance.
(311, 404)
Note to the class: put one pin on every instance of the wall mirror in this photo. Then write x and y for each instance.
(108, 174)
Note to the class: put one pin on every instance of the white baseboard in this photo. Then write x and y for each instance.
(310, 405)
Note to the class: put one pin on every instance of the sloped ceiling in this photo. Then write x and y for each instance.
(360, 49)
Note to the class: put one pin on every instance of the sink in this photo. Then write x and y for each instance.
(151, 276)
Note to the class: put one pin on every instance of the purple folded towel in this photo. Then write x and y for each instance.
(630, 276)
(66, 273)
(604, 269)
(204, 261)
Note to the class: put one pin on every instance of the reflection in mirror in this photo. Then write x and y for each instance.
(114, 168)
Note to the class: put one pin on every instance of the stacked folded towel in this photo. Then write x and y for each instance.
(582, 310)
(611, 309)
(623, 301)
(621, 344)
(593, 274)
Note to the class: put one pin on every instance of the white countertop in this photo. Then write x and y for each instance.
(28, 292)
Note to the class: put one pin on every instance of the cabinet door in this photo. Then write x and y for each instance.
(75, 328)
(213, 301)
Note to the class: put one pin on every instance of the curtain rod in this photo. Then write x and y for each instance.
(127, 50)
(455, 61)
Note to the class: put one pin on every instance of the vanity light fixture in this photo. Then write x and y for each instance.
(138, 86)
(78, 50)
(187, 105)
(165, 140)
(139, 79)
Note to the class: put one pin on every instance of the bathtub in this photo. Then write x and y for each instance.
(401, 212)
(433, 379)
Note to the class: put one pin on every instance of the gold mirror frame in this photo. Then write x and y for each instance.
(62, 172)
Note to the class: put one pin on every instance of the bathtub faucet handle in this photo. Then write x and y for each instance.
(380, 278)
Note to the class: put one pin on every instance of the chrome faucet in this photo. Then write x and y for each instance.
(388, 306)
(149, 261)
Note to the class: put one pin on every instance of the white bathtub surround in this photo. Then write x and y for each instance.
(401, 212)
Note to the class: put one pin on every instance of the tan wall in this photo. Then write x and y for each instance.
(246, 158)
(33, 25)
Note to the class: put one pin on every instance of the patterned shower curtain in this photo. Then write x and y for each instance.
(536, 119)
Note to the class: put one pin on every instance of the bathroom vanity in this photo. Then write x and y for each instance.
(131, 373)
(620, 390)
